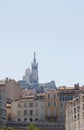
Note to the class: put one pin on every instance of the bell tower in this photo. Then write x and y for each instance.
(34, 66)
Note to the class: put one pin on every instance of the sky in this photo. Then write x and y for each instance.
(54, 29)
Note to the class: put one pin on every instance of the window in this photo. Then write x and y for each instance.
(83, 98)
(77, 101)
(36, 104)
(77, 116)
(78, 108)
(61, 113)
(83, 107)
(61, 105)
(31, 112)
(61, 119)
(83, 115)
(19, 104)
(31, 119)
(48, 96)
(74, 110)
(18, 113)
(54, 112)
(25, 112)
(30, 104)
(36, 112)
(54, 104)
(18, 119)
(48, 104)
(54, 96)
(25, 104)
(0, 111)
(48, 113)
(25, 119)
(0, 96)
(66, 98)
(61, 98)
(74, 117)
(74, 103)
(70, 97)
(36, 119)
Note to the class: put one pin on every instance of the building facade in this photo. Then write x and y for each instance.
(65, 95)
(75, 113)
(31, 109)
(51, 100)
(12, 89)
(2, 106)
(54, 100)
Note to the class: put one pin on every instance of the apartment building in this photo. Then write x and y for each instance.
(51, 100)
(75, 113)
(56, 102)
(11, 88)
(65, 94)
(8, 110)
(2, 106)
(30, 108)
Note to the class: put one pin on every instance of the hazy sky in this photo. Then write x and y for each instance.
(54, 29)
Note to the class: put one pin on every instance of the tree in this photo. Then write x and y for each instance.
(32, 127)
(7, 128)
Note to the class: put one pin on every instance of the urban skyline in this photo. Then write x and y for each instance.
(54, 30)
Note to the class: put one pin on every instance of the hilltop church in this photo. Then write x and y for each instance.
(31, 79)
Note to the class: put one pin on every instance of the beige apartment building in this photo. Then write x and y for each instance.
(75, 113)
(51, 111)
(13, 91)
(30, 108)
(64, 96)
(11, 88)
(56, 101)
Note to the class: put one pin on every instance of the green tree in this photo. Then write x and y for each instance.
(7, 128)
(32, 127)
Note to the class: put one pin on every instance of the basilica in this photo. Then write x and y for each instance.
(31, 79)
